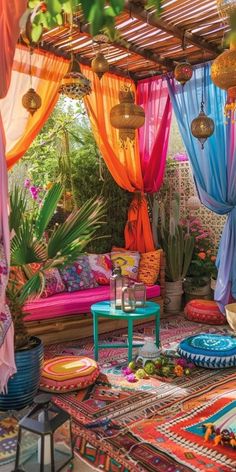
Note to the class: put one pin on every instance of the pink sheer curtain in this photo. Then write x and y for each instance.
(10, 13)
(152, 95)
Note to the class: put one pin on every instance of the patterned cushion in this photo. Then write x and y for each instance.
(128, 261)
(204, 311)
(149, 267)
(53, 283)
(101, 267)
(213, 351)
(67, 373)
(79, 275)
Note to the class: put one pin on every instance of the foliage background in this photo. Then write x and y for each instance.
(65, 150)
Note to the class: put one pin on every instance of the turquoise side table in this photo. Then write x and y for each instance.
(102, 310)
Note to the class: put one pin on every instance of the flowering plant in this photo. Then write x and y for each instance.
(203, 259)
(163, 366)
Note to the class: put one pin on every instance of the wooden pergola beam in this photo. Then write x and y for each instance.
(112, 69)
(147, 54)
(151, 18)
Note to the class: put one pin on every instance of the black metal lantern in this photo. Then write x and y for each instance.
(44, 438)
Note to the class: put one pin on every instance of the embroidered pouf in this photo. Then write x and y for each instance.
(67, 373)
(213, 351)
(204, 311)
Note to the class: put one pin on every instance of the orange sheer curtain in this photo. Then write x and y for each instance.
(124, 164)
(20, 127)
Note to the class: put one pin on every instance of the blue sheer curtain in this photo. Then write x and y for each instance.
(214, 167)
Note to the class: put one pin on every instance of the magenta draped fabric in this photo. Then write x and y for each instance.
(153, 96)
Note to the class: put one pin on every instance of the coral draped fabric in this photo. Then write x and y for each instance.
(10, 13)
(124, 164)
(20, 127)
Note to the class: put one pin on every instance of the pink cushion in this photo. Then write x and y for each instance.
(101, 267)
(73, 303)
(204, 311)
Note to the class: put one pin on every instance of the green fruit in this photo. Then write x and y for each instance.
(187, 371)
(149, 368)
(165, 370)
(140, 374)
(158, 363)
(132, 365)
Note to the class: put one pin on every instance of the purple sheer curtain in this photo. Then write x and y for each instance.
(153, 96)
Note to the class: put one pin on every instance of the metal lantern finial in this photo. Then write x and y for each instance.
(31, 100)
(202, 127)
(74, 84)
(183, 72)
(100, 65)
(127, 116)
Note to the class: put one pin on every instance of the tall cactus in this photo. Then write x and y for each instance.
(177, 245)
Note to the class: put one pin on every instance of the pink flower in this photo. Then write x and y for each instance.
(191, 365)
(127, 371)
(27, 183)
(181, 362)
(131, 377)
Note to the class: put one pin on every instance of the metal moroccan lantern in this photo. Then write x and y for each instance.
(127, 116)
(223, 74)
(202, 127)
(74, 84)
(31, 100)
(226, 7)
(183, 72)
(100, 65)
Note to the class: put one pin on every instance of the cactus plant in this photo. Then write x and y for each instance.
(177, 245)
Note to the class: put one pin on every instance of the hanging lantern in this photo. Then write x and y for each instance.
(100, 65)
(183, 72)
(223, 74)
(202, 127)
(74, 84)
(31, 101)
(193, 203)
(127, 116)
(226, 7)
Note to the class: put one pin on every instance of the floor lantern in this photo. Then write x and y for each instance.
(48, 430)
(127, 116)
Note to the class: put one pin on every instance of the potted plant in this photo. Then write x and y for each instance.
(178, 247)
(202, 268)
(32, 244)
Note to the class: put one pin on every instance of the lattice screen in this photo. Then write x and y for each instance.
(178, 178)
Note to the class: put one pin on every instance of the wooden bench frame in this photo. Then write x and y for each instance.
(79, 326)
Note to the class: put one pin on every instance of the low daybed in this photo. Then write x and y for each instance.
(66, 316)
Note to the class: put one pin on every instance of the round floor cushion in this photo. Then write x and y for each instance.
(67, 373)
(204, 311)
(213, 351)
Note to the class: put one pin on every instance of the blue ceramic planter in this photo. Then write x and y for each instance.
(23, 386)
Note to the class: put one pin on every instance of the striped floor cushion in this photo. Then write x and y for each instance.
(67, 373)
(213, 351)
(204, 311)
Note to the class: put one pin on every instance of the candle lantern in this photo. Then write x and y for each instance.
(117, 282)
(140, 294)
(128, 299)
(44, 438)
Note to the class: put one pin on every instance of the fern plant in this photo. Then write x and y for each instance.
(31, 243)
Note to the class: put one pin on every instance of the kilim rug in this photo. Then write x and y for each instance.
(104, 416)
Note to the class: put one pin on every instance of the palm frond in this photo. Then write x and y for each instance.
(77, 230)
(47, 209)
(33, 287)
(18, 205)
(24, 248)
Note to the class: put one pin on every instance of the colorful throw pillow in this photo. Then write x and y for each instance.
(17, 278)
(149, 267)
(53, 283)
(101, 267)
(213, 351)
(204, 311)
(128, 261)
(79, 275)
(67, 373)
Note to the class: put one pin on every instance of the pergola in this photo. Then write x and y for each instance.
(146, 44)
